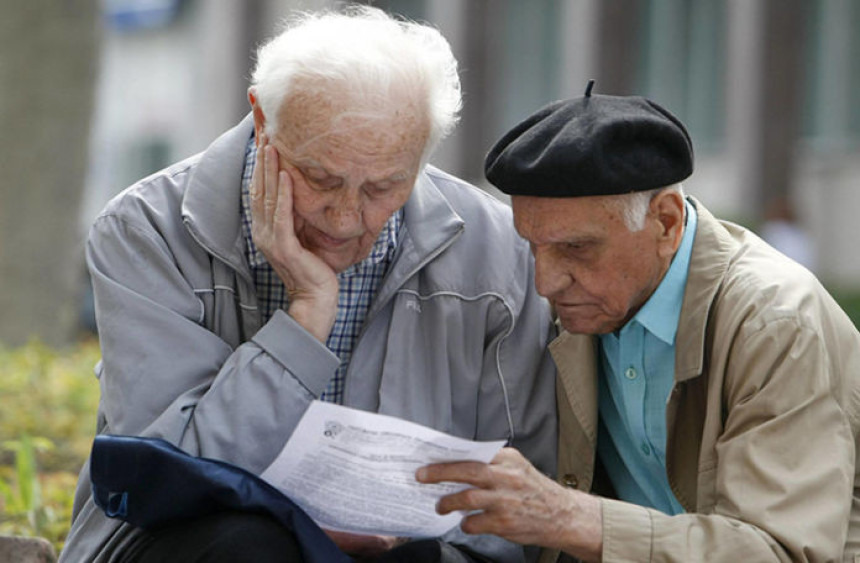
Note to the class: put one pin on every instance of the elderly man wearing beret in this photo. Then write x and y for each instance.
(709, 394)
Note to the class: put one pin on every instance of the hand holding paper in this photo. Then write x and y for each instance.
(354, 471)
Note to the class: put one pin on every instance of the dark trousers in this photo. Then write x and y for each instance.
(235, 537)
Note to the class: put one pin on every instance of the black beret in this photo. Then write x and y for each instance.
(593, 145)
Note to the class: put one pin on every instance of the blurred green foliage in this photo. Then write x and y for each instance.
(48, 401)
(849, 300)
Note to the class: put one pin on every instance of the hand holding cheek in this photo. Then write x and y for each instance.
(310, 283)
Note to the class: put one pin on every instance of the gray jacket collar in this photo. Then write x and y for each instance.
(211, 206)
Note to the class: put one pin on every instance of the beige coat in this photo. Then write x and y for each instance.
(762, 421)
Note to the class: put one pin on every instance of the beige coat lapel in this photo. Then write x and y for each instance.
(688, 402)
(575, 357)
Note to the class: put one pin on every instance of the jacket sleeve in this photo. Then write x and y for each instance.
(518, 395)
(165, 375)
(784, 467)
(520, 358)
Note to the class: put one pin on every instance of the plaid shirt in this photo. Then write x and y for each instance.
(358, 283)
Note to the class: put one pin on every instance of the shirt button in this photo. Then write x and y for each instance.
(570, 480)
(630, 373)
(646, 449)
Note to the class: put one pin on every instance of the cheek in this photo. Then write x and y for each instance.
(376, 212)
(374, 219)
(626, 288)
(610, 287)
(306, 202)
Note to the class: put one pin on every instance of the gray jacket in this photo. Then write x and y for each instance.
(455, 338)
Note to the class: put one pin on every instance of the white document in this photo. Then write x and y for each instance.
(354, 471)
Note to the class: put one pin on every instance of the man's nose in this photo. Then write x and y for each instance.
(345, 211)
(550, 275)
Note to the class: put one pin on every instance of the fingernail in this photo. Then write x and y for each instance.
(421, 474)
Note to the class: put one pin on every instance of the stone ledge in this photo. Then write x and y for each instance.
(16, 549)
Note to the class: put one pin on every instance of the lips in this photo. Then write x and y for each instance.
(322, 240)
(331, 242)
(577, 310)
(572, 305)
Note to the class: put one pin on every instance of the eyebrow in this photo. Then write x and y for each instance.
(567, 240)
(398, 176)
(304, 163)
(584, 239)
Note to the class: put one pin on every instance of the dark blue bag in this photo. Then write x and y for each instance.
(149, 482)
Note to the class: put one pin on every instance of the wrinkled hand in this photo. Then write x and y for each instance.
(519, 503)
(310, 283)
(362, 546)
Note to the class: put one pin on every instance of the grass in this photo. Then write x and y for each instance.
(48, 400)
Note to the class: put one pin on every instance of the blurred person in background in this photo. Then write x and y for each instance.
(710, 399)
(783, 231)
(312, 253)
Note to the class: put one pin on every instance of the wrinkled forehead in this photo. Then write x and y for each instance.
(548, 219)
(330, 108)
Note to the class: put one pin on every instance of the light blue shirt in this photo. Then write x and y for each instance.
(637, 372)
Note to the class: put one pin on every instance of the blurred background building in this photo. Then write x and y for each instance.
(769, 90)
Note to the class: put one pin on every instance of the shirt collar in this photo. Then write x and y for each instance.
(661, 312)
(383, 248)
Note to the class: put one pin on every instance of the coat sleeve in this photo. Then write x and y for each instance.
(785, 462)
(520, 358)
(165, 375)
(517, 395)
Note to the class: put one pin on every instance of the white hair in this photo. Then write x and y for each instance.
(633, 207)
(366, 53)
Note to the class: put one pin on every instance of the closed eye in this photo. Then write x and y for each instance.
(329, 183)
(322, 179)
(381, 188)
(579, 249)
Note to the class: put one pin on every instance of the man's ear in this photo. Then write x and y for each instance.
(257, 111)
(668, 208)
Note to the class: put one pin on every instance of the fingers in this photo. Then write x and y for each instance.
(282, 217)
(258, 185)
(267, 184)
(470, 472)
(480, 475)
(510, 457)
(510, 498)
(271, 200)
(486, 522)
(508, 480)
(271, 187)
(468, 500)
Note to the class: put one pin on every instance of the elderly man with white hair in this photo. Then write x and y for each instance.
(311, 253)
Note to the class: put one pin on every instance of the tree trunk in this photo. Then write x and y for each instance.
(48, 62)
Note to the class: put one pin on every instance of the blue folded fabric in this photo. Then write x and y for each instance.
(149, 482)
